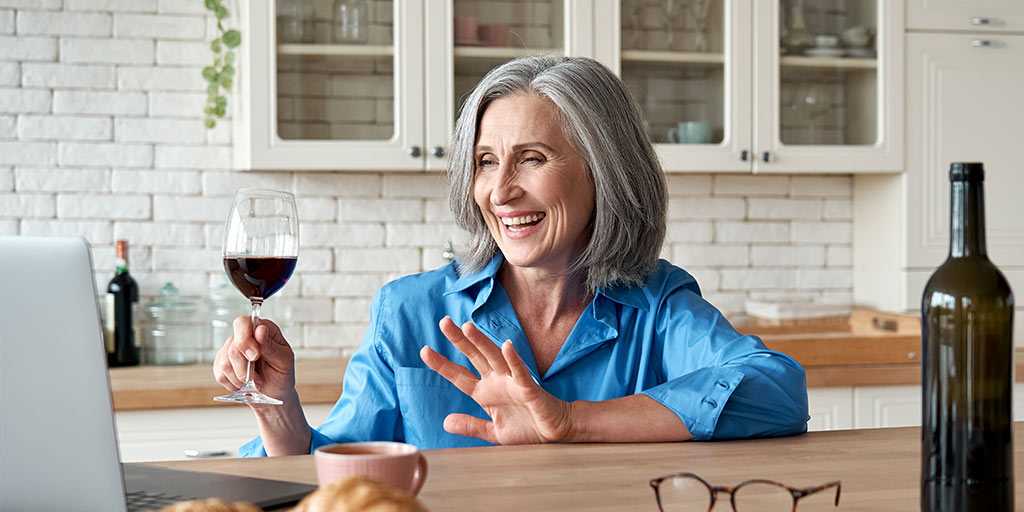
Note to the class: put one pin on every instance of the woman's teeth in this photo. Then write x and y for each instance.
(521, 223)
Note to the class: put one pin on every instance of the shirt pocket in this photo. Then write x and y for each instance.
(425, 399)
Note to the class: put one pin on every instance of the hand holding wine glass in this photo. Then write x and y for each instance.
(261, 247)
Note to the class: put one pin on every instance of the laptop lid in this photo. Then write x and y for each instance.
(58, 443)
(57, 433)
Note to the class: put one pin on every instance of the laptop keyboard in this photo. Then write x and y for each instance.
(142, 500)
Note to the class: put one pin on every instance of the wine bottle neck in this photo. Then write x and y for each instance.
(121, 265)
(967, 220)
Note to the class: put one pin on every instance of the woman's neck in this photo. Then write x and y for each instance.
(545, 297)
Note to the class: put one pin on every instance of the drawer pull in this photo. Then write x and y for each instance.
(205, 454)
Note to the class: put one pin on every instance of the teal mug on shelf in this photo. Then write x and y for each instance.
(690, 132)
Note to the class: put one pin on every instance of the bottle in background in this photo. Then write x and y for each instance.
(967, 326)
(122, 295)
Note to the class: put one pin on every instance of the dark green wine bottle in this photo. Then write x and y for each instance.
(967, 333)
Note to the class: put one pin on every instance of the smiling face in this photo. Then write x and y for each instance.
(531, 186)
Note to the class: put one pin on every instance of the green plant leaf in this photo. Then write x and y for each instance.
(232, 38)
(209, 73)
(220, 111)
(226, 84)
(228, 71)
(208, 111)
(222, 101)
(215, 46)
(229, 57)
(221, 12)
(211, 4)
(212, 89)
(210, 123)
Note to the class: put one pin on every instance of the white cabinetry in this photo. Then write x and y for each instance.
(389, 103)
(963, 104)
(973, 15)
(166, 434)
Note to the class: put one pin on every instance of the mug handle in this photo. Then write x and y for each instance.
(673, 135)
(420, 476)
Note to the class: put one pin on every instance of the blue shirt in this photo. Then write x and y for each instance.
(661, 339)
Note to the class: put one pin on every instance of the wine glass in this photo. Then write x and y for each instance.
(261, 247)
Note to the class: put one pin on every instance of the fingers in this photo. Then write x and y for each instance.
(520, 373)
(486, 347)
(223, 371)
(470, 426)
(245, 343)
(463, 344)
(458, 375)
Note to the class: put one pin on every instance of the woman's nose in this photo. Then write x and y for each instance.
(505, 187)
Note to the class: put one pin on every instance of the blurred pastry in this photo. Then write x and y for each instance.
(359, 494)
(210, 505)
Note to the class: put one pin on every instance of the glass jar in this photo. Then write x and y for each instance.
(351, 23)
(225, 304)
(171, 333)
(296, 21)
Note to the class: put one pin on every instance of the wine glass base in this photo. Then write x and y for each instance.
(248, 396)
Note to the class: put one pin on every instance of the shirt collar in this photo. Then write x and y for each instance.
(626, 295)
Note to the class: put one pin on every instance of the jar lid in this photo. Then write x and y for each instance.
(170, 306)
(966, 171)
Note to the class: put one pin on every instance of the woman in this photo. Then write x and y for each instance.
(560, 324)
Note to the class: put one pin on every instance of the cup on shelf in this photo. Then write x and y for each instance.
(494, 35)
(399, 465)
(466, 31)
(690, 132)
(826, 40)
(858, 37)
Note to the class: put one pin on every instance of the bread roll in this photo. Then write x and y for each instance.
(210, 505)
(359, 494)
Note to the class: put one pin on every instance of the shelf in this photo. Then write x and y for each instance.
(658, 57)
(500, 52)
(359, 50)
(828, 63)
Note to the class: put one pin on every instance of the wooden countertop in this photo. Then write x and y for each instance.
(318, 381)
(879, 470)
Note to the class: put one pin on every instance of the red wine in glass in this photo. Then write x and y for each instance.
(260, 276)
(261, 247)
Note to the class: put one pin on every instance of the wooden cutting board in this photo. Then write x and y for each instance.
(868, 337)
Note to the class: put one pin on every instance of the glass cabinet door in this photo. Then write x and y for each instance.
(333, 84)
(687, 64)
(829, 88)
(468, 38)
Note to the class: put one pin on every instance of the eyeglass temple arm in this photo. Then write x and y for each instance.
(800, 493)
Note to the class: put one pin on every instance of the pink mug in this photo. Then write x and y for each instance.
(399, 465)
(494, 35)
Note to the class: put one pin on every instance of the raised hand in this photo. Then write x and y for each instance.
(521, 411)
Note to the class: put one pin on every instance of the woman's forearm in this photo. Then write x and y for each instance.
(631, 419)
(283, 428)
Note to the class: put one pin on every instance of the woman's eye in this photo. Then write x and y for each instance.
(484, 162)
(532, 159)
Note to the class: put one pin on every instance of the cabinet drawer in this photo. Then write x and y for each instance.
(165, 434)
(974, 15)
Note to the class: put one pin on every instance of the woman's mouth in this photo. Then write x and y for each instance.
(522, 223)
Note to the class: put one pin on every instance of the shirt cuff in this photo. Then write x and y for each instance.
(698, 398)
(255, 447)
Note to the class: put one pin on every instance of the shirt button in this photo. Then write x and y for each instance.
(723, 384)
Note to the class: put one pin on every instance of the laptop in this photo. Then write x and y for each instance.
(58, 440)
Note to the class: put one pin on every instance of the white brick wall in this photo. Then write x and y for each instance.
(101, 136)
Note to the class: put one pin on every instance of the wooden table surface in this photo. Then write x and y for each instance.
(879, 470)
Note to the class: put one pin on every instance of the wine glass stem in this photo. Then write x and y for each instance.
(255, 315)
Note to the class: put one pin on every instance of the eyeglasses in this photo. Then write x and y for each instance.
(687, 492)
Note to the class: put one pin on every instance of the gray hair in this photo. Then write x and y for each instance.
(602, 123)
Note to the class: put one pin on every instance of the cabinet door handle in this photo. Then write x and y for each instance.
(767, 157)
(204, 454)
(981, 21)
(744, 155)
(438, 151)
(415, 151)
(981, 43)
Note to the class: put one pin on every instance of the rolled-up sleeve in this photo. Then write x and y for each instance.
(368, 407)
(720, 383)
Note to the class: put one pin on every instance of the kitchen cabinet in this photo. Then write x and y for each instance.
(165, 434)
(714, 68)
(980, 16)
(774, 100)
(876, 406)
(310, 101)
(963, 104)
